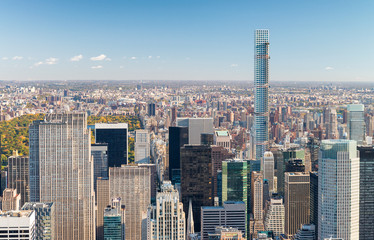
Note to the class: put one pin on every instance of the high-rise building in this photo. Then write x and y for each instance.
(268, 169)
(142, 146)
(296, 201)
(133, 185)
(196, 126)
(257, 182)
(366, 192)
(114, 225)
(314, 199)
(61, 171)
(222, 138)
(102, 201)
(15, 224)
(116, 136)
(166, 220)
(100, 157)
(356, 123)
(196, 179)
(235, 182)
(11, 200)
(338, 190)
(307, 232)
(44, 219)
(230, 214)
(274, 217)
(261, 91)
(18, 176)
(226, 233)
(178, 136)
(151, 109)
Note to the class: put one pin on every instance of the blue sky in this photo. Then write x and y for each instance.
(330, 40)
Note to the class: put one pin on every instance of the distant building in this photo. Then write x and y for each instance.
(274, 217)
(151, 109)
(196, 126)
(11, 200)
(307, 232)
(296, 201)
(18, 176)
(356, 123)
(222, 138)
(226, 233)
(99, 152)
(17, 225)
(231, 214)
(339, 182)
(44, 219)
(196, 179)
(142, 146)
(116, 136)
(268, 169)
(166, 220)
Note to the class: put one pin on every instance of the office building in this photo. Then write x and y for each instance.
(366, 192)
(102, 201)
(196, 179)
(99, 152)
(296, 201)
(11, 200)
(178, 137)
(18, 176)
(257, 182)
(44, 219)
(230, 214)
(261, 91)
(142, 146)
(307, 232)
(133, 185)
(4, 180)
(114, 225)
(222, 138)
(116, 136)
(196, 126)
(226, 233)
(314, 199)
(61, 171)
(151, 109)
(166, 220)
(268, 169)
(339, 190)
(274, 216)
(17, 225)
(356, 123)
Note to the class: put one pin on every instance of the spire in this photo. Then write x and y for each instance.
(190, 223)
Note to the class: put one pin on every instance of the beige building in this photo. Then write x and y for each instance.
(11, 199)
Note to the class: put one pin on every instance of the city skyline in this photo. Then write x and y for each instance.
(187, 40)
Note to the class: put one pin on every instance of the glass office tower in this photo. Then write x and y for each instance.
(261, 91)
(356, 123)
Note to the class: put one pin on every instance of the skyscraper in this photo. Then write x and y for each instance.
(261, 76)
(133, 185)
(44, 219)
(100, 157)
(338, 190)
(102, 201)
(366, 192)
(356, 123)
(268, 169)
(115, 135)
(142, 146)
(178, 136)
(196, 179)
(61, 171)
(18, 176)
(296, 201)
(114, 223)
(274, 217)
(196, 126)
(166, 220)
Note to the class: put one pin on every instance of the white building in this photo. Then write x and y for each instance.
(267, 167)
(17, 225)
(338, 190)
(166, 220)
(222, 138)
(142, 146)
(274, 218)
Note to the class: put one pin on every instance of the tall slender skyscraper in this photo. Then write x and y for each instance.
(261, 91)
(18, 176)
(356, 123)
(61, 171)
(338, 190)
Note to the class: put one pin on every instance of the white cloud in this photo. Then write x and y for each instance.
(98, 58)
(133, 58)
(149, 57)
(329, 68)
(51, 61)
(38, 64)
(76, 58)
(97, 67)
(234, 65)
(17, 58)
(4, 58)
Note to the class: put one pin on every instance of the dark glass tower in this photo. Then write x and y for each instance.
(178, 136)
(314, 200)
(366, 192)
(115, 135)
(196, 179)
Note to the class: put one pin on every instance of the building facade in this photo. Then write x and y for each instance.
(18, 176)
(178, 137)
(17, 225)
(142, 146)
(44, 219)
(356, 123)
